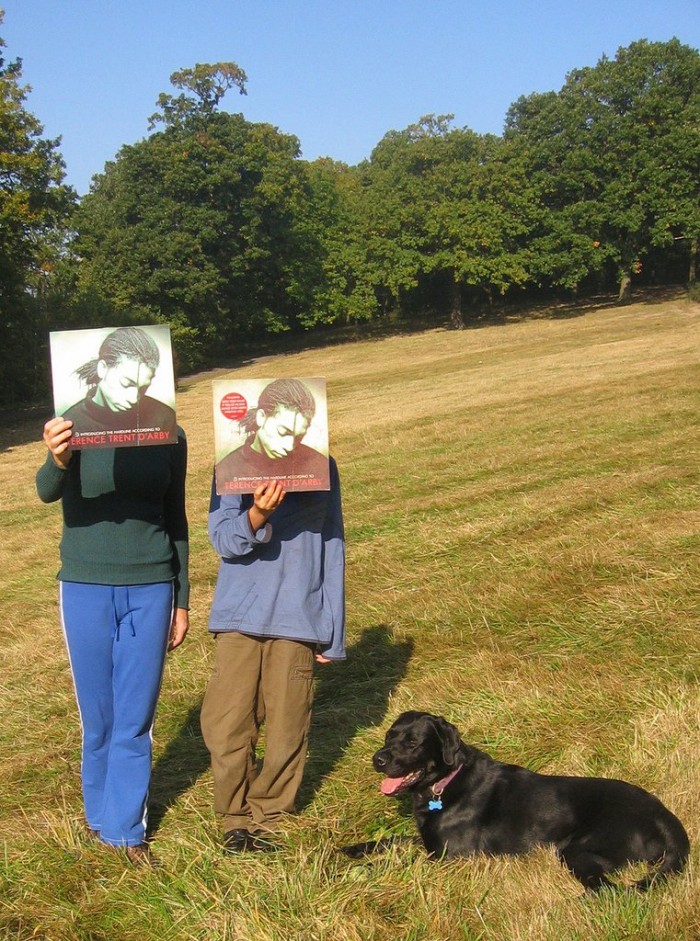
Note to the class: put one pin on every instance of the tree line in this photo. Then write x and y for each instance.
(216, 226)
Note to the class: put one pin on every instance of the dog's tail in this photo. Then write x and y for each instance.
(674, 856)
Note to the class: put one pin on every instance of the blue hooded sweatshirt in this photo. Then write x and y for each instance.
(288, 578)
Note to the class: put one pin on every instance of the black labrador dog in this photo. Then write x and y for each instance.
(465, 802)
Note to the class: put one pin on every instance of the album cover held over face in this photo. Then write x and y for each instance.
(270, 430)
(116, 384)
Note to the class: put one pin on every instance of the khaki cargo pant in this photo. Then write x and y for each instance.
(255, 680)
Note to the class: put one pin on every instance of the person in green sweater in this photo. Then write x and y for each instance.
(124, 595)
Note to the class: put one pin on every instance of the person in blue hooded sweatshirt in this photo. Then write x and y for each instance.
(278, 607)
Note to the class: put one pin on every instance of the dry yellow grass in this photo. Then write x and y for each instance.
(522, 505)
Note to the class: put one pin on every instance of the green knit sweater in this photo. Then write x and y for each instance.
(124, 520)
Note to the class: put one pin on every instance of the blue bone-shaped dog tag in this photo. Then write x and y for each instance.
(435, 805)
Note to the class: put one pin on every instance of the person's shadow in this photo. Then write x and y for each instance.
(349, 697)
(175, 771)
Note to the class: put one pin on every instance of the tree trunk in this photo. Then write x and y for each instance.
(456, 318)
(625, 295)
(692, 268)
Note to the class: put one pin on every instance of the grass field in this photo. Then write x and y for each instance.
(522, 506)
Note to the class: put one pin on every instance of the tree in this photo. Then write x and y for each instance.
(616, 157)
(34, 206)
(349, 286)
(203, 225)
(455, 205)
(208, 85)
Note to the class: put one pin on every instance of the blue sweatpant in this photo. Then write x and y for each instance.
(117, 638)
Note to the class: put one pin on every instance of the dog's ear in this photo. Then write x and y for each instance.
(450, 739)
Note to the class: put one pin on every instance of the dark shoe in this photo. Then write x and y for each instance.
(92, 835)
(235, 841)
(242, 841)
(141, 855)
(262, 844)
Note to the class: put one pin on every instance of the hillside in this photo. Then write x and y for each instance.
(522, 506)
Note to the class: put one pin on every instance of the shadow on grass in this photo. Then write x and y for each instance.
(22, 426)
(349, 697)
(177, 769)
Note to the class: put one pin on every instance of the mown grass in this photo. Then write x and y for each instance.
(522, 505)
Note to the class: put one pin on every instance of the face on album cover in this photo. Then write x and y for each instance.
(116, 384)
(270, 430)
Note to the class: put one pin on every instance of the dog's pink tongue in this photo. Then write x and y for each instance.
(391, 785)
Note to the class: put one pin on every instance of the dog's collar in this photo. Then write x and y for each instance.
(439, 786)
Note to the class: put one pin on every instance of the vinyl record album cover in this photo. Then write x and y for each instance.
(116, 384)
(270, 430)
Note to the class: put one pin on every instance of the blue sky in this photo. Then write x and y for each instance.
(338, 74)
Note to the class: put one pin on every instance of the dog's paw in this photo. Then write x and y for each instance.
(358, 850)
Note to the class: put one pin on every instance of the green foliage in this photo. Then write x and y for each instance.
(338, 211)
(207, 83)
(451, 202)
(214, 224)
(34, 206)
(615, 156)
(203, 224)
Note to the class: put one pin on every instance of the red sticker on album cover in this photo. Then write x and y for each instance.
(233, 406)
